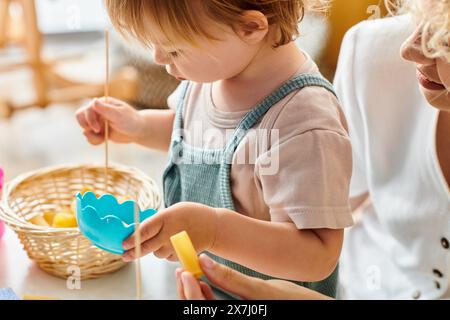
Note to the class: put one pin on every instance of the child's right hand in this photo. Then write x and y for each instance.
(125, 123)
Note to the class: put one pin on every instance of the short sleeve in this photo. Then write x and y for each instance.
(345, 84)
(305, 179)
(174, 98)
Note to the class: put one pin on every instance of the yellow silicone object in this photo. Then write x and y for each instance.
(64, 220)
(186, 253)
(39, 221)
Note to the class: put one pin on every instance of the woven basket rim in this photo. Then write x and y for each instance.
(26, 226)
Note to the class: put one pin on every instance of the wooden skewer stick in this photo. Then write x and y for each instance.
(137, 243)
(106, 100)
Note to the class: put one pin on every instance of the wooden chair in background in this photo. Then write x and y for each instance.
(49, 87)
(345, 14)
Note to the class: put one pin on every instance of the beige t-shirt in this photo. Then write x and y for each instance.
(294, 166)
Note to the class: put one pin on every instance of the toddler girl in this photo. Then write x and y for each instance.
(260, 159)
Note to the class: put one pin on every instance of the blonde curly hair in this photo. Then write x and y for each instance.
(180, 21)
(434, 15)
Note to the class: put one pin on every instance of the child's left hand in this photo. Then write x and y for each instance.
(198, 220)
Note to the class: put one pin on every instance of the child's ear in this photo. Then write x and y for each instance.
(253, 28)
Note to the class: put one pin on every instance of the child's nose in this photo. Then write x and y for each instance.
(160, 57)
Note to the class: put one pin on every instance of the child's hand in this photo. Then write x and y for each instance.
(124, 122)
(198, 220)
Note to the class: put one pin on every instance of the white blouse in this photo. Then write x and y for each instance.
(399, 248)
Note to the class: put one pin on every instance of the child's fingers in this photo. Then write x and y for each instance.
(81, 118)
(207, 291)
(180, 289)
(93, 120)
(112, 101)
(164, 252)
(108, 111)
(128, 256)
(147, 247)
(131, 254)
(93, 138)
(152, 245)
(191, 286)
(148, 230)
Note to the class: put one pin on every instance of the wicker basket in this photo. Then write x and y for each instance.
(57, 251)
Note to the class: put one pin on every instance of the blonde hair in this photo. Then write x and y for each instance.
(179, 19)
(435, 19)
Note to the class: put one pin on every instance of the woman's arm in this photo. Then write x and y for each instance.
(246, 287)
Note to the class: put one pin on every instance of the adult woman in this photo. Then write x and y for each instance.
(399, 118)
(399, 122)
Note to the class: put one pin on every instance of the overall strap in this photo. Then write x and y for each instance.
(178, 122)
(252, 118)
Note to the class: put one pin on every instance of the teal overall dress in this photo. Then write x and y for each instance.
(203, 176)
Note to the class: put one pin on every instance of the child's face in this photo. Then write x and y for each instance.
(433, 75)
(211, 60)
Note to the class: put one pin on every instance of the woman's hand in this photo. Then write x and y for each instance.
(125, 123)
(198, 220)
(246, 287)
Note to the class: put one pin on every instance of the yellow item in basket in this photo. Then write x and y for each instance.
(39, 221)
(64, 220)
(122, 199)
(186, 253)
(49, 216)
(86, 189)
(73, 207)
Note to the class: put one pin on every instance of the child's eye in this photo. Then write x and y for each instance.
(174, 54)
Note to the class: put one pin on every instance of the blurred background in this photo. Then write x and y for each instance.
(52, 60)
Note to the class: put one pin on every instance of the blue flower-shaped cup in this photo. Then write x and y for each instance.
(106, 222)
